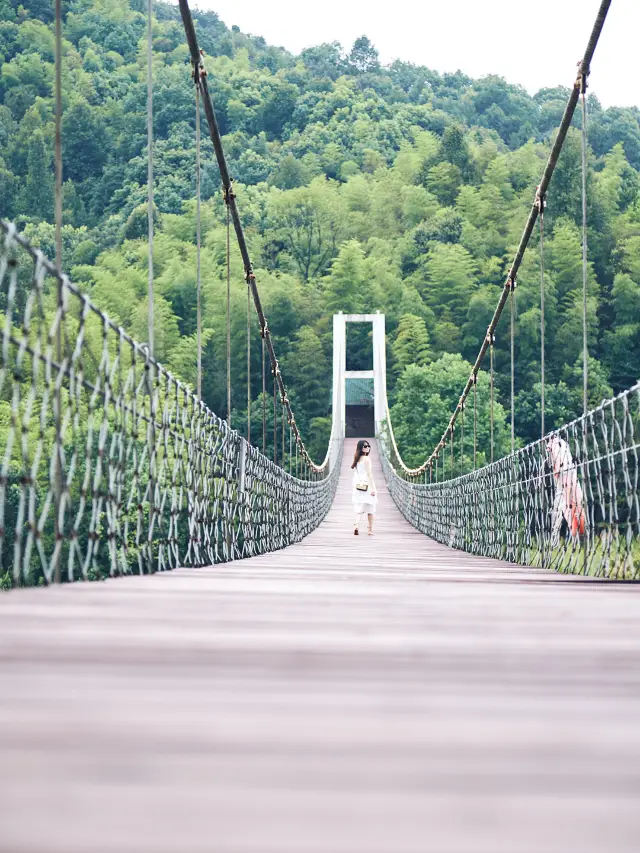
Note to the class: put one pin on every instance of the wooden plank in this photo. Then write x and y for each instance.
(347, 694)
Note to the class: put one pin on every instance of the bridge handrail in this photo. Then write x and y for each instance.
(110, 461)
(568, 501)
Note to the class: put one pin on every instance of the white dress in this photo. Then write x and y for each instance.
(362, 501)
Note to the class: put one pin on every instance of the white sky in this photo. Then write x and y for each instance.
(532, 42)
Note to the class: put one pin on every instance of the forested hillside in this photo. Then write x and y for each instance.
(361, 187)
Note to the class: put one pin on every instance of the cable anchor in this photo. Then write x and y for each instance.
(227, 192)
(582, 78)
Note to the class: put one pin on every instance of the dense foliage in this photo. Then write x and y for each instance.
(361, 187)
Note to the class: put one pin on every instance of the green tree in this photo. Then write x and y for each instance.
(325, 60)
(444, 181)
(36, 198)
(565, 262)
(411, 345)
(289, 173)
(166, 332)
(454, 149)
(345, 286)
(449, 280)
(622, 342)
(363, 56)
(309, 223)
(86, 142)
(7, 191)
(426, 397)
(310, 373)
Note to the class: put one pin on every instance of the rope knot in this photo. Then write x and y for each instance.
(581, 79)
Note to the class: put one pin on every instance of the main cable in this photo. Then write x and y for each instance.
(214, 132)
(584, 68)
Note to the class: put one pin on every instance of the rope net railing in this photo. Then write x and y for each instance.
(567, 502)
(111, 465)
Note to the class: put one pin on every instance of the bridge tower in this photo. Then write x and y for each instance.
(341, 374)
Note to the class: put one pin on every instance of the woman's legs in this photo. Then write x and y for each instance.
(370, 518)
(357, 521)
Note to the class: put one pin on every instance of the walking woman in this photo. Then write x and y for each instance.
(364, 488)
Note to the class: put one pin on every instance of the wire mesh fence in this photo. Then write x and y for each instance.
(568, 502)
(109, 464)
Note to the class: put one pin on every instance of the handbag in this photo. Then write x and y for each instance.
(362, 487)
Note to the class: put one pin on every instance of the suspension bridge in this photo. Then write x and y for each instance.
(253, 677)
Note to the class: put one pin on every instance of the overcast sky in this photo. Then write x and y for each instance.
(532, 42)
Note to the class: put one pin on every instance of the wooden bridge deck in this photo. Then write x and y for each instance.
(346, 695)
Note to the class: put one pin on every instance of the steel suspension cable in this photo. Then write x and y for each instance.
(198, 247)
(585, 350)
(556, 148)
(462, 442)
(228, 195)
(150, 319)
(543, 496)
(248, 364)
(58, 217)
(585, 343)
(58, 137)
(491, 393)
(275, 420)
(475, 420)
(264, 401)
(149, 367)
(513, 367)
(452, 463)
(541, 203)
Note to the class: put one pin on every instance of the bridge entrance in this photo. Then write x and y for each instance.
(362, 406)
(359, 422)
(359, 411)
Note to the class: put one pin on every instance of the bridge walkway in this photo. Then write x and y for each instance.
(346, 695)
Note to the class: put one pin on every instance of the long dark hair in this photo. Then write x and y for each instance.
(359, 451)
